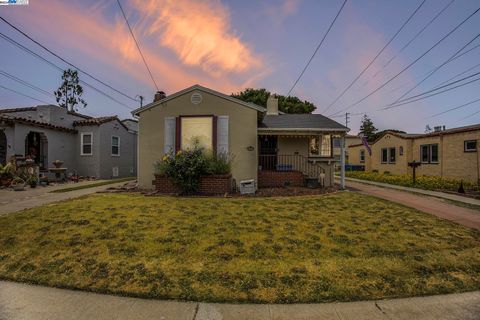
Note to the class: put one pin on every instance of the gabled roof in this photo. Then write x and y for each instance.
(98, 121)
(199, 88)
(9, 110)
(9, 119)
(300, 122)
(473, 127)
(94, 121)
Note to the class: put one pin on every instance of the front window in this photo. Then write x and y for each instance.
(384, 155)
(321, 146)
(86, 144)
(197, 130)
(393, 156)
(362, 156)
(115, 146)
(429, 153)
(314, 146)
(326, 146)
(470, 146)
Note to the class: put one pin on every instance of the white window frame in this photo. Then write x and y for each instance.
(465, 149)
(111, 146)
(362, 156)
(430, 153)
(82, 144)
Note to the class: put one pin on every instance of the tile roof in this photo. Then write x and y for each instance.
(94, 121)
(300, 121)
(12, 119)
(8, 110)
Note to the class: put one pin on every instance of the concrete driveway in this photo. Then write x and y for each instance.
(11, 201)
(438, 207)
(22, 301)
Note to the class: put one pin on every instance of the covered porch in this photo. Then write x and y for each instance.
(292, 158)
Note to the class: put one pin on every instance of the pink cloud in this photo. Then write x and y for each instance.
(96, 38)
(199, 33)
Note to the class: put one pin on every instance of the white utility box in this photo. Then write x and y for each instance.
(247, 186)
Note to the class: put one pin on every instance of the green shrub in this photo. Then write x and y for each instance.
(220, 163)
(186, 167)
(423, 182)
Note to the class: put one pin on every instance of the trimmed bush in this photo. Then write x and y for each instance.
(423, 182)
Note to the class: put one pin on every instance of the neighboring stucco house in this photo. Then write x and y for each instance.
(451, 153)
(102, 147)
(272, 148)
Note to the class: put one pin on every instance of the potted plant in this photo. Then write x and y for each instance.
(32, 182)
(6, 174)
(57, 163)
(18, 184)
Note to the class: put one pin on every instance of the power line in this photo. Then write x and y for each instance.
(316, 49)
(65, 61)
(25, 83)
(471, 115)
(22, 47)
(459, 56)
(436, 69)
(457, 75)
(375, 58)
(419, 32)
(454, 108)
(431, 95)
(410, 65)
(389, 106)
(23, 94)
(136, 43)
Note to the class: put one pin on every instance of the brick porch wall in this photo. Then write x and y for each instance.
(209, 185)
(280, 178)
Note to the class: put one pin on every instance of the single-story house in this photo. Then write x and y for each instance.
(273, 148)
(450, 153)
(102, 147)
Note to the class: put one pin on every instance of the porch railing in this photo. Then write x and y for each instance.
(291, 162)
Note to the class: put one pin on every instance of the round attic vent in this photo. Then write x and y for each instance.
(196, 98)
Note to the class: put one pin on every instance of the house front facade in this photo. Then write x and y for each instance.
(91, 147)
(272, 148)
(451, 153)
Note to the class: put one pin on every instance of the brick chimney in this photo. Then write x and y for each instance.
(272, 105)
(159, 95)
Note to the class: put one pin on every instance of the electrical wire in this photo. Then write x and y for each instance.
(23, 94)
(317, 48)
(66, 61)
(138, 47)
(375, 58)
(409, 65)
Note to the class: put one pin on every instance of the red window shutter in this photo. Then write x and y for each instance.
(178, 134)
(214, 134)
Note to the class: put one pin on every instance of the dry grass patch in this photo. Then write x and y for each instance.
(342, 246)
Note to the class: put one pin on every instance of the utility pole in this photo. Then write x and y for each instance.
(347, 118)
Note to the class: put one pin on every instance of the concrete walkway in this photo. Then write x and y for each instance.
(22, 301)
(11, 201)
(438, 207)
(437, 194)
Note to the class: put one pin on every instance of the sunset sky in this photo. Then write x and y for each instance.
(231, 45)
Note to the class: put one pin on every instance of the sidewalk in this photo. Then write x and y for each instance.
(11, 201)
(436, 194)
(22, 301)
(435, 206)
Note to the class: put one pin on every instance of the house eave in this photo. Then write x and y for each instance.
(137, 112)
(277, 131)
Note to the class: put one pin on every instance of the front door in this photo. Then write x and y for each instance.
(3, 148)
(268, 152)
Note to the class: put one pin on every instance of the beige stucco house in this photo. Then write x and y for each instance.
(451, 153)
(271, 147)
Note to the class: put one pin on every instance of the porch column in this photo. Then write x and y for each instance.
(342, 163)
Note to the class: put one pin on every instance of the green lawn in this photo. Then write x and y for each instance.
(342, 246)
(94, 184)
